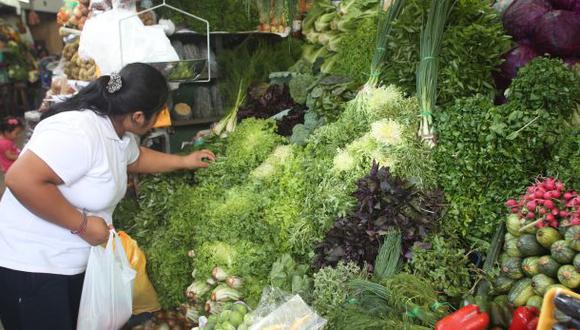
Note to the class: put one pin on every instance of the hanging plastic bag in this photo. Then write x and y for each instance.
(144, 295)
(106, 301)
(117, 37)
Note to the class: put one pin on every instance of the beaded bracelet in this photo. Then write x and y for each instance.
(83, 225)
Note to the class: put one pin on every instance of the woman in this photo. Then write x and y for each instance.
(63, 189)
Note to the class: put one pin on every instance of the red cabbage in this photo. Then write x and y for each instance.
(571, 61)
(566, 4)
(522, 16)
(558, 33)
(513, 61)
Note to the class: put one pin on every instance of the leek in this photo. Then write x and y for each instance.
(219, 274)
(388, 12)
(323, 22)
(428, 70)
(197, 289)
(234, 282)
(225, 293)
(334, 43)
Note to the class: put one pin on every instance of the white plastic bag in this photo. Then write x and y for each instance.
(278, 310)
(100, 40)
(106, 301)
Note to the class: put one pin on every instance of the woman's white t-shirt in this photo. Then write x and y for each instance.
(84, 150)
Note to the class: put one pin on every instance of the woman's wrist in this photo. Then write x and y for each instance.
(83, 225)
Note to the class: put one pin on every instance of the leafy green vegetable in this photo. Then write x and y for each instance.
(565, 163)
(300, 85)
(465, 63)
(291, 277)
(487, 153)
(355, 49)
(226, 15)
(330, 286)
(444, 264)
(385, 202)
(403, 299)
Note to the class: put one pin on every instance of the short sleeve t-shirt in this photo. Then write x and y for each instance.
(7, 145)
(84, 150)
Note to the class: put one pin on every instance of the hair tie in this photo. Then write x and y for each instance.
(115, 83)
(12, 121)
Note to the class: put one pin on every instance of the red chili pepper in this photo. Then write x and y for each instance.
(466, 318)
(523, 317)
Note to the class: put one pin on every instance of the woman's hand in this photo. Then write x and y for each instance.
(96, 232)
(198, 159)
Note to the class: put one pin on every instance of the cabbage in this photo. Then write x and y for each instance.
(514, 60)
(566, 4)
(571, 61)
(522, 16)
(558, 33)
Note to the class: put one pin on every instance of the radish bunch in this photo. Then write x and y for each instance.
(547, 203)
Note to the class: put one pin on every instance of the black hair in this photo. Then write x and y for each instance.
(143, 88)
(9, 124)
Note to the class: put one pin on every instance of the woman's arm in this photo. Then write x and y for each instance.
(34, 184)
(11, 155)
(151, 161)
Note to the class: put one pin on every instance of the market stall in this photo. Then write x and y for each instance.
(382, 164)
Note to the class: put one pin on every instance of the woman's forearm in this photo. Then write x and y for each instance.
(34, 184)
(151, 161)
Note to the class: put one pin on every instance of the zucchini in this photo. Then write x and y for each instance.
(547, 236)
(529, 246)
(521, 292)
(513, 225)
(530, 266)
(559, 286)
(577, 262)
(561, 252)
(540, 283)
(568, 276)
(510, 247)
(548, 266)
(511, 267)
(563, 227)
(535, 301)
(503, 284)
(573, 237)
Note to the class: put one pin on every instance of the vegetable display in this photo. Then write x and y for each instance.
(545, 218)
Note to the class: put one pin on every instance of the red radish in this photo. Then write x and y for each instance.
(568, 196)
(541, 224)
(512, 202)
(530, 215)
(564, 214)
(549, 204)
(556, 194)
(515, 210)
(559, 186)
(531, 206)
(550, 217)
(547, 195)
(555, 211)
(543, 211)
(539, 194)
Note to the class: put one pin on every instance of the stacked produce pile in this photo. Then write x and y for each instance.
(487, 153)
(75, 67)
(73, 14)
(354, 213)
(540, 27)
(541, 246)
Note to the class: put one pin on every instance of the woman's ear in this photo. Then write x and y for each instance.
(138, 117)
